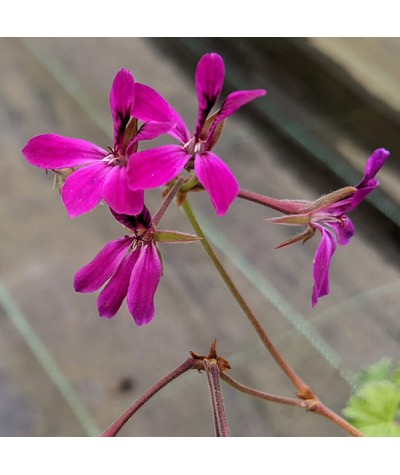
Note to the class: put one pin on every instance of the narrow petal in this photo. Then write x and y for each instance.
(83, 190)
(365, 187)
(233, 102)
(348, 204)
(113, 294)
(344, 231)
(374, 164)
(93, 275)
(210, 73)
(322, 260)
(117, 194)
(122, 97)
(50, 151)
(217, 179)
(152, 130)
(155, 167)
(142, 220)
(145, 277)
(150, 106)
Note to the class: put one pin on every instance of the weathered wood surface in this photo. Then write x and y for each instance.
(62, 86)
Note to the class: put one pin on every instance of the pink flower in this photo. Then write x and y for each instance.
(102, 174)
(158, 166)
(328, 216)
(132, 267)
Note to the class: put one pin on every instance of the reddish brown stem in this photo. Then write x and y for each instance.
(311, 405)
(324, 411)
(116, 426)
(283, 206)
(167, 201)
(289, 401)
(303, 390)
(217, 403)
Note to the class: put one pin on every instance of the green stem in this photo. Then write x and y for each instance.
(303, 390)
(189, 184)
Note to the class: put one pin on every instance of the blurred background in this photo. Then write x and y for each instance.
(66, 372)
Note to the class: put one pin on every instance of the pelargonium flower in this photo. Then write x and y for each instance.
(131, 265)
(158, 166)
(102, 173)
(328, 216)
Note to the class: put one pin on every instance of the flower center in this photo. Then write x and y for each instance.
(115, 158)
(199, 147)
(341, 220)
(195, 146)
(143, 235)
(326, 218)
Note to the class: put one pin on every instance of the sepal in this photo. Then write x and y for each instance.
(172, 237)
(304, 236)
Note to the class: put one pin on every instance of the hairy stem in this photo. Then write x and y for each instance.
(116, 426)
(217, 403)
(167, 200)
(284, 206)
(303, 390)
(289, 401)
(190, 183)
(311, 405)
(324, 411)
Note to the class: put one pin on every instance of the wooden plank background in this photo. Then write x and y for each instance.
(66, 372)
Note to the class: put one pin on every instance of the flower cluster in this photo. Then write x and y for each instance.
(120, 174)
(131, 266)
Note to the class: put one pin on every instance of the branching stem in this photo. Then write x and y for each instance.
(303, 389)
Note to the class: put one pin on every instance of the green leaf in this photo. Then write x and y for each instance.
(396, 376)
(385, 429)
(174, 237)
(374, 407)
(377, 372)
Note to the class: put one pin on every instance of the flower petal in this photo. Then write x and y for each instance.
(117, 194)
(50, 151)
(93, 275)
(113, 294)
(152, 130)
(143, 284)
(374, 164)
(217, 179)
(142, 220)
(365, 187)
(122, 97)
(322, 260)
(210, 73)
(150, 106)
(344, 231)
(233, 102)
(83, 190)
(155, 167)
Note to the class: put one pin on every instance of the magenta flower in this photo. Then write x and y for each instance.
(156, 167)
(102, 174)
(132, 267)
(328, 216)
